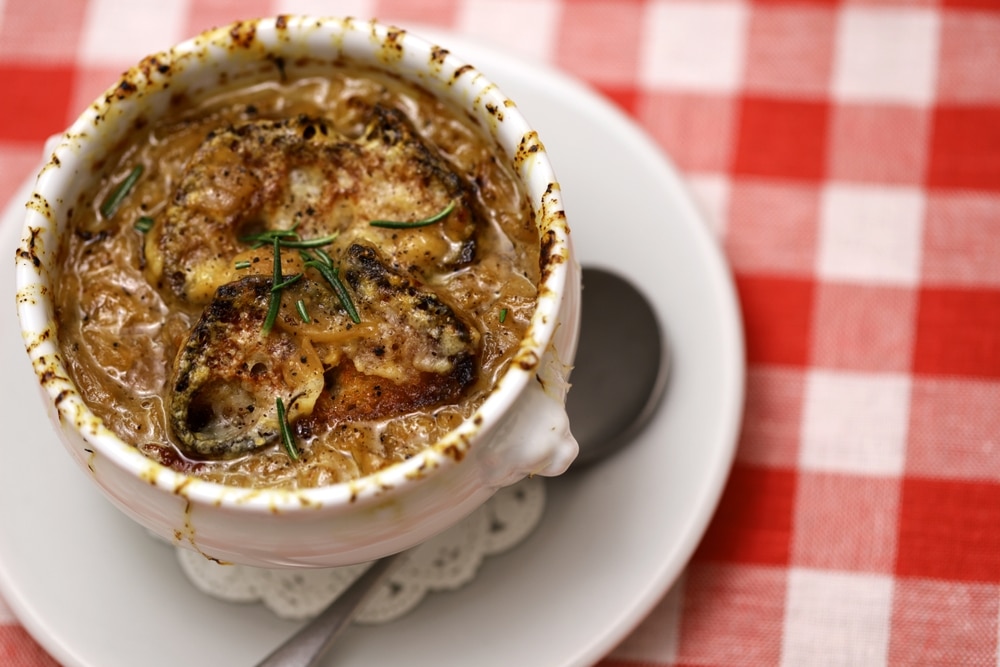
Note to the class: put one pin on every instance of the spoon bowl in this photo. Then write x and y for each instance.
(613, 397)
(617, 386)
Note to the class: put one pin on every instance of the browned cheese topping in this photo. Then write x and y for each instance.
(366, 343)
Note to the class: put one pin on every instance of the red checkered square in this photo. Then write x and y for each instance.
(970, 4)
(206, 14)
(772, 420)
(790, 49)
(890, 3)
(782, 138)
(961, 236)
(753, 523)
(695, 129)
(35, 101)
(772, 226)
(863, 327)
(836, 517)
(958, 333)
(965, 148)
(592, 52)
(777, 318)
(943, 623)
(732, 615)
(948, 530)
(41, 31)
(953, 429)
(969, 50)
(877, 142)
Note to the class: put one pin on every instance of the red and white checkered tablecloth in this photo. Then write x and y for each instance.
(848, 154)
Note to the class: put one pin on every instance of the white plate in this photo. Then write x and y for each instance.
(95, 590)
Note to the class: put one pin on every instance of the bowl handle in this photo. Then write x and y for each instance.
(536, 439)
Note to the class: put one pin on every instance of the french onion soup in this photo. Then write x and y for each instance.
(297, 283)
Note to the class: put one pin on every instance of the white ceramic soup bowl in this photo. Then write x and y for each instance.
(521, 429)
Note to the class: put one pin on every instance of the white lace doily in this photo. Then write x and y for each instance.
(445, 562)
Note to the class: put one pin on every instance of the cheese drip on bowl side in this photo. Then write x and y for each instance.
(163, 327)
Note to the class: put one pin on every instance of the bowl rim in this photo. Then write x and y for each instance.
(37, 317)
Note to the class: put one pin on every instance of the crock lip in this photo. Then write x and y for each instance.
(542, 188)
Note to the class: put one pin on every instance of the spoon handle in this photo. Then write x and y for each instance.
(310, 643)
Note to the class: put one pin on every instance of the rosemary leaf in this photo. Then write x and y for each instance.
(503, 315)
(118, 195)
(274, 299)
(398, 224)
(286, 431)
(289, 242)
(243, 264)
(285, 283)
(332, 276)
(144, 224)
(343, 295)
(300, 306)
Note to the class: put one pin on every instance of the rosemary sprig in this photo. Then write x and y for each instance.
(144, 224)
(399, 224)
(118, 195)
(274, 297)
(286, 431)
(318, 258)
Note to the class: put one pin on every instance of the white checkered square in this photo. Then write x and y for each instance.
(855, 422)
(710, 192)
(871, 234)
(656, 638)
(361, 9)
(676, 54)
(119, 34)
(886, 54)
(526, 28)
(834, 618)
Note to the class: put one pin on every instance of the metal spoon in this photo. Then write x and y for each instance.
(619, 378)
